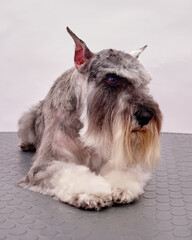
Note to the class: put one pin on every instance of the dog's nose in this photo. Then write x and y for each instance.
(143, 116)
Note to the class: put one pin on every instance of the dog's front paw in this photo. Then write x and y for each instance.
(128, 194)
(90, 201)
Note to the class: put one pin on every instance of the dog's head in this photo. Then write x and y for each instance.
(121, 120)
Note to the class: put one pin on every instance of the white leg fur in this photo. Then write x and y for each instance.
(127, 185)
(78, 186)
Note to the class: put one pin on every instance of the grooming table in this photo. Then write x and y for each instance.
(164, 212)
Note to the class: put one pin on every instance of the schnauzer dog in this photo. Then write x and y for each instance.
(96, 134)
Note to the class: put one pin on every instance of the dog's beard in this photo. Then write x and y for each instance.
(123, 143)
(134, 145)
(111, 131)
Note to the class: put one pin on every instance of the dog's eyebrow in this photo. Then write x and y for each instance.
(113, 74)
(124, 82)
(120, 77)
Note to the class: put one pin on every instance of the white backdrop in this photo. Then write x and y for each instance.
(35, 49)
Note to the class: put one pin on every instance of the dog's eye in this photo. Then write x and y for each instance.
(112, 80)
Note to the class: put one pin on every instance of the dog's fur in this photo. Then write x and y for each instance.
(94, 146)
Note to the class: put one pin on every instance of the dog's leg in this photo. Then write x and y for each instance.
(70, 183)
(127, 185)
(28, 127)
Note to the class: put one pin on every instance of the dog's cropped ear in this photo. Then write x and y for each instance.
(82, 53)
(137, 52)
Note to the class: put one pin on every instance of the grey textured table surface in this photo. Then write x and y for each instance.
(163, 212)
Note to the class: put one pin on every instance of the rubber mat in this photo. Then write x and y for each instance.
(164, 212)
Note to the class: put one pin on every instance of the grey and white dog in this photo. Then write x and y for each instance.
(96, 133)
